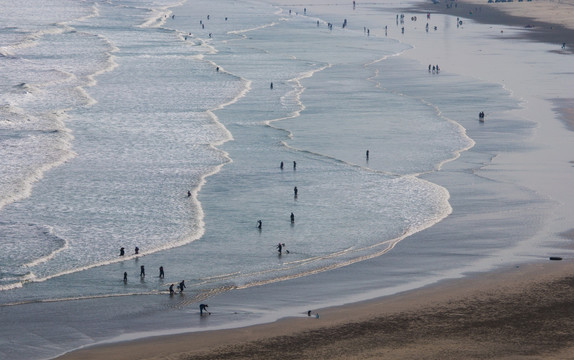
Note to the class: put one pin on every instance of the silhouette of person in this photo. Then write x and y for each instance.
(295, 191)
(292, 218)
(171, 292)
(294, 165)
(202, 308)
(259, 224)
(142, 271)
(281, 165)
(181, 286)
(122, 251)
(161, 274)
(125, 276)
(137, 250)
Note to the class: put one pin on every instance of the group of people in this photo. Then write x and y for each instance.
(292, 216)
(142, 273)
(434, 68)
(180, 287)
(123, 251)
(282, 165)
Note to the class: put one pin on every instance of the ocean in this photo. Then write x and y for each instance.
(174, 127)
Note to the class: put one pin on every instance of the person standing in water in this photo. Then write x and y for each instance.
(295, 191)
(181, 286)
(259, 224)
(142, 271)
(202, 308)
(122, 251)
(171, 292)
(292, 218)
(294, 165)
(161, 274)
(125, 277)
(279, 247)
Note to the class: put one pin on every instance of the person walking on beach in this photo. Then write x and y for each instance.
(125, 277)
(181, 286)
(142, 271)
(161, 274)
(202, 308)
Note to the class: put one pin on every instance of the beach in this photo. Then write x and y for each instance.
(519, 311)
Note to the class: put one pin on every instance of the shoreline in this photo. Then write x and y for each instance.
(519, 312)
(459, 315)
(548, 26)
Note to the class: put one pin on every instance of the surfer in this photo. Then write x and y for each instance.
(171, 292)
(181, 286)
(122, 251)
(161, 274)
(202, 308)
(142, 271)
(292, 218)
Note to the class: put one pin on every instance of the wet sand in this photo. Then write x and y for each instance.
(542, 20)
(524, 312)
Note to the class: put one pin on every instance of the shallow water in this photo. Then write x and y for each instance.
(112, 115)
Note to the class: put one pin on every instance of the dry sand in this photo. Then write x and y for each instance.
(545, 20)
(523, 313)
